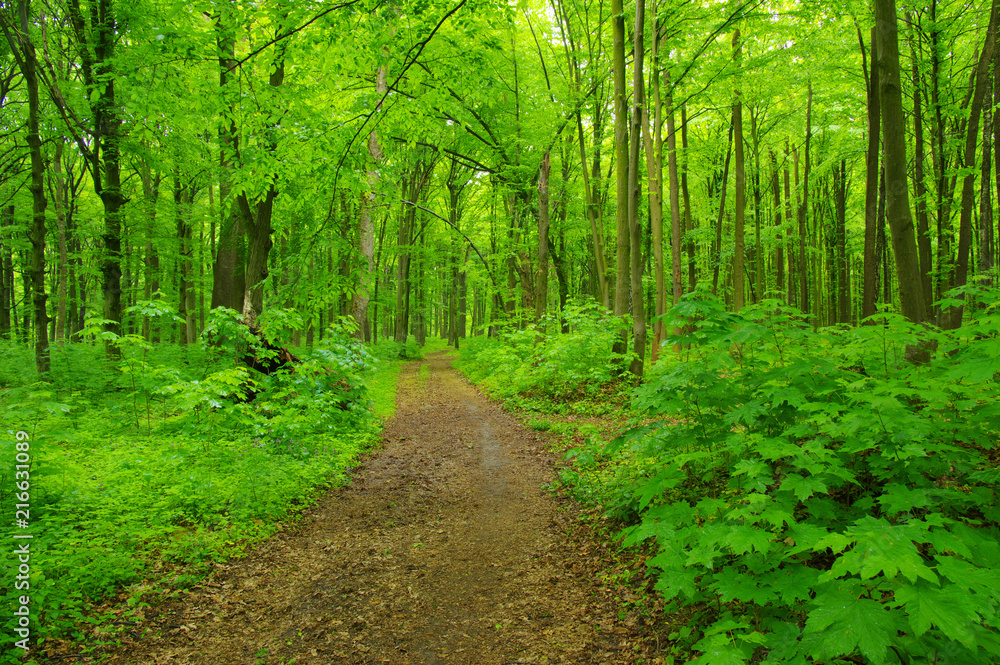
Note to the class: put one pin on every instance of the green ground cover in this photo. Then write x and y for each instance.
(146, 470)
(811, 496)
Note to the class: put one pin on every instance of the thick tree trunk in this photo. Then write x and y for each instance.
(228, 270)
(6, 275)
(258, 220)
(898, 214)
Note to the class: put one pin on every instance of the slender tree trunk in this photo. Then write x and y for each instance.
(919, 189)
(622, 242)
(653, 143)
(689, 224)
(843, 285)
(986, 247)
(969, 159)
(803, 212)
(779, 249)
(542, 271)
(24, 52)
(717, 258)
(60, 198)
(634, 187)
(6, 275)
(739, 277)
(792, 291)
(869, 286)
(676, 235)
(898, 214)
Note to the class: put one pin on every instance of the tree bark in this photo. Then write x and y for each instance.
(869, 288)
(803, 264)
(542, 271)
(634, 187)
(898, 214)
(739, 277)
(969, 159)
(228, 271)
(24, 53)
(622, 242)
(779, 250)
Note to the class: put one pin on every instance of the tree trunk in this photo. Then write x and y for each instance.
(803, 211)
(542, 271)
(779, 250)
(969, 160)
(622, 242)
(366, 240)
(227, 285)
(842, 268)
(653, 143)
(60, 198)
(6, 275)
(258, 219)
(689, 224)
(872, 172)
(739, 278)
(24, 53)
(790, 221)
(898, 214)
(722, 207)
(634, 187)
(919, 189)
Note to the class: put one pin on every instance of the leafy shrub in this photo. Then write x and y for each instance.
(814, 496)
(160, 459)
(551, 365)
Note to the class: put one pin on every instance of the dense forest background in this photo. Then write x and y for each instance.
(764, 231)
(455, 167)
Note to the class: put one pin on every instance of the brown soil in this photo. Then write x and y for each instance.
(444, 549)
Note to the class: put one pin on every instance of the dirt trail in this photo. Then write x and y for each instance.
(444, 549)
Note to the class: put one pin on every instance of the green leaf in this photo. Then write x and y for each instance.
(950, 609)
(846, 623)
(803, 486)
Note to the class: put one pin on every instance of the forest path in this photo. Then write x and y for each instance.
(444, 549)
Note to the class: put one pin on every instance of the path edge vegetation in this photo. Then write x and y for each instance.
(111, 537)
(810, 496)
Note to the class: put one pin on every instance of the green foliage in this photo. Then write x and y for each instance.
(818, 497)
(203, 476)
(535, 367)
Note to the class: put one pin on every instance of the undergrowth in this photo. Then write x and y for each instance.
(810, 496)
(540, 368)
(146, 470)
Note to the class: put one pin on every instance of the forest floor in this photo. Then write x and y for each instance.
(445, 548)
